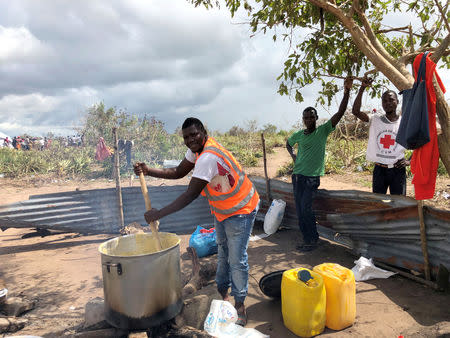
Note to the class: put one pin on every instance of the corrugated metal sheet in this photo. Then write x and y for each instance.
(95, 211)
(382, 227)
(327, 203)
(394, 236)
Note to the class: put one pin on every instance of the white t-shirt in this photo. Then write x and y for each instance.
(381, 146)
(213, 169)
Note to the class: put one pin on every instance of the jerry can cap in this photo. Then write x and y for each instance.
(304, 275)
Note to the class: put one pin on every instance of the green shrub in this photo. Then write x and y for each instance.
(274, 140)
(286, 170)
(345, 150)
(246, 148)
(56, 160)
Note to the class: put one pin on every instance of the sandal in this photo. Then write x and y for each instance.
(242, 318)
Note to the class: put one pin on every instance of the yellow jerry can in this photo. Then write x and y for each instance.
(341, 295)
(303, 302)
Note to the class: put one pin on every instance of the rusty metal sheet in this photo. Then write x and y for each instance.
(383, 227)
(95, 211)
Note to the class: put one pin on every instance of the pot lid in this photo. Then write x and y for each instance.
(270, 284)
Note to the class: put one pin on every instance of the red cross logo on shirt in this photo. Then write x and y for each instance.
(387, 141)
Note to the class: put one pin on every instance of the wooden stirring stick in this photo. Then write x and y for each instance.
(148, 206)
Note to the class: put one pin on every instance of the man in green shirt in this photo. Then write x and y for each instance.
(309, 165)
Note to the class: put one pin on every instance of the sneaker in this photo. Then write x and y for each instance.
(301, 245)
(317, 243)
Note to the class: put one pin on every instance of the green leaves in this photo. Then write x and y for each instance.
(283, 89)
(325, 47)
(298, 96)
(412, 5)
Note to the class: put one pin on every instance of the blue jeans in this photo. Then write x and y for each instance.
(305, 188)
(232, 239)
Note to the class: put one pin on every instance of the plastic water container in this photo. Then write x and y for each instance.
(303, 303)
(341, 295)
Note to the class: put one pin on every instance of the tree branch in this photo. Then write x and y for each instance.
(436, 27)
(343, 5)
(376, 43)
(411, 41)
(370, 33)
(398, 29)
(411, 38)
(408, 58)
(444, 17)
(372, 71)
(441, 49)
(393, 70)
(322, 30)
(334, 76)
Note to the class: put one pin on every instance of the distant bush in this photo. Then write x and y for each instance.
(286, 170)
(56, 161)
(246, 148)
(345, 150)
(343, 154)
(274, 140)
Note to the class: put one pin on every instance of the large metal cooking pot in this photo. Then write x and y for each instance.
(142, 285)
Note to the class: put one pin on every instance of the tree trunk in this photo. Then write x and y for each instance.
(443, 113)
(395, 72)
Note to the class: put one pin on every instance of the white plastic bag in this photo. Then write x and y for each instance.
(221, 320)
(274, 216)
(365, 270)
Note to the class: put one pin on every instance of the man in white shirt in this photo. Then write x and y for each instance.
(382, 149)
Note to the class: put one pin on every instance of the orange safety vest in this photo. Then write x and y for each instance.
(241, 199)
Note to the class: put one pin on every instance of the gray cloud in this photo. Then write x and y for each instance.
(161, 58)
(156, 58)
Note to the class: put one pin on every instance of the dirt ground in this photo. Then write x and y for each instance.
(62, 272)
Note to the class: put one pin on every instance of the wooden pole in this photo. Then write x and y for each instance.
(263, 141)
(408, 275)
(131, 180)
(117, 175)
(148, 206)
(423, 239)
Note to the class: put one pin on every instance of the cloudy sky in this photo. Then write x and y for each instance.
(164, 58)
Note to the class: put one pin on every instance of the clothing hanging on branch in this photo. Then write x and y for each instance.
(425, 160)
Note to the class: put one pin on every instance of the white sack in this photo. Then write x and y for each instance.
(365, 270)
(221, 320)
(274, 216)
